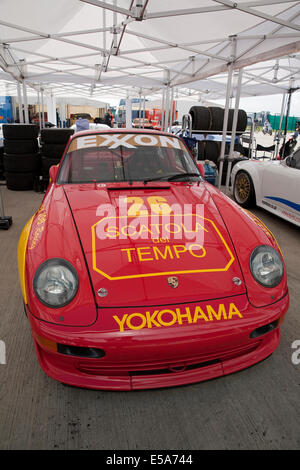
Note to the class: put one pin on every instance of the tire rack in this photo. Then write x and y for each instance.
(188, 131)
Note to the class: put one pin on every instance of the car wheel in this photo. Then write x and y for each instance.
(243, 189)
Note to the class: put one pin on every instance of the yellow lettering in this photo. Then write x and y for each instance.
(221, 311)
(125, 231)
(159, 205)
(112, 231)
(135, 209)
(174, 226)
(128, 253)
(197, 247)
(121, 321)
(151, 319)
(199, 314)
(187, 315)
(233, 311)
(167, 251)
(164, 323)
(133, 327)
(140, 254)
(179, 249)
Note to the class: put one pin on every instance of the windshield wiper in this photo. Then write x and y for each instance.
(181, 175)
(171, 177)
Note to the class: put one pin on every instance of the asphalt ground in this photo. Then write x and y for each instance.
(258, 408)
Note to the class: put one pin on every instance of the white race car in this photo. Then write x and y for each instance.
(271, 184)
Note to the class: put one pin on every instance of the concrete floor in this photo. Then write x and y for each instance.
(258, 408)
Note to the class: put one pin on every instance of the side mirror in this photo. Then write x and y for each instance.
(53, 171)
(201, 169)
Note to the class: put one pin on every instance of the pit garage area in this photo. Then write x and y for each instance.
(188, 355)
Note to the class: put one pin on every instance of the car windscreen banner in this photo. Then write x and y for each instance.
(113, 141)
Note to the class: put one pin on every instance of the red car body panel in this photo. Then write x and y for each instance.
(152, 335)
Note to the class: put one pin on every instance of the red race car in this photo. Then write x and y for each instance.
(136, 273)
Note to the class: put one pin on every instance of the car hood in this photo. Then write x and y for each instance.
(136, 257)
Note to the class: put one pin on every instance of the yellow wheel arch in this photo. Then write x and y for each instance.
(22, 247)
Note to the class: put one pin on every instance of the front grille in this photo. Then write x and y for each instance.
(148, 369)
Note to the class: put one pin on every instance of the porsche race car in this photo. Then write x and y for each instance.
(136, 273)
(270, 184)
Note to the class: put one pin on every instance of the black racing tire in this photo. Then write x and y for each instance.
(201, 150)
(19, 146)
(20, 181)
(216, 118)
(56, 136)
(241, 121)
(53, 150)
(230, 119)
(21, 163)
(47, 163)
(212, 150)
(243, 189)
(200, 118)
(20, 131)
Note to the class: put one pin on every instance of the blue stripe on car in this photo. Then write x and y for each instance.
(291, 204)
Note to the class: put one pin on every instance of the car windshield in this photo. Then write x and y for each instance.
(119, 157)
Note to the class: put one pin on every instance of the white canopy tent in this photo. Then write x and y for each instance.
(99, 48)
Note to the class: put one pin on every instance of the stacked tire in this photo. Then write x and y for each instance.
(211, 118)
(53, 144)
(21, 158)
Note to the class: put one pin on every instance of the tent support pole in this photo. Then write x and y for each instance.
(20, 103)
(287, 117)
(144, 109)
(280, 124)
(172, 107)
(225, 123)
(42, 101)
(163, 110)
(234, 124)
(140, 107)
(39, 110)
(252, 140)
(128, 113)
(25, 103)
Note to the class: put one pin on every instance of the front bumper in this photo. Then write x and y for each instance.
(159, 355)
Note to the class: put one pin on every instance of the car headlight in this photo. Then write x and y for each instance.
(55, 282)
(266, 266)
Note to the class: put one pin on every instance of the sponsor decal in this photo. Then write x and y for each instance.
(174, 239)
(291, 216)
(177, 316)
(269, 205)
(129, 141)
(39, 227)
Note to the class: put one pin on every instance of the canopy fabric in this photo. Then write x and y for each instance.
(97, 48)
